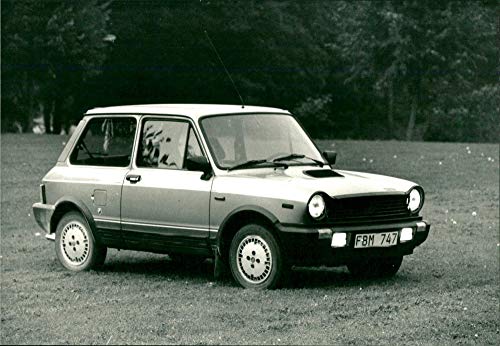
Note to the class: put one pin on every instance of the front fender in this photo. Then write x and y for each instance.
(252, 208)
(238, 217)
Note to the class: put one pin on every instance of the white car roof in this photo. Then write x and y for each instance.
(194, 111)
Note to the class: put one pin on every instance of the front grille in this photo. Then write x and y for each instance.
(367, 208)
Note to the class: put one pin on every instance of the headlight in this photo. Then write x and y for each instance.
(316, 206)
(415, 199)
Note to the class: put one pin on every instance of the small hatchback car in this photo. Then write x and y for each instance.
(245, 186)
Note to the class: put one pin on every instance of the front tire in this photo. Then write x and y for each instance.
(376, 267)
(255, 258)
(75, 245)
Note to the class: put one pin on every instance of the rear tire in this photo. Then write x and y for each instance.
(255, 258)
(75, 244)
(375, 267)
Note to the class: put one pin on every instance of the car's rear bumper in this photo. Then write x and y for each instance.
(43, 214)
(312, 246)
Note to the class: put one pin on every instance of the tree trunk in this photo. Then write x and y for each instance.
(26, 104)
(47, 109)
(415, 103)
(58, 118)
(412, 119)
(390, 108)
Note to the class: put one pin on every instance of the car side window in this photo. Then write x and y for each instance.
(162, 144)
(194, 154)
(105, 142)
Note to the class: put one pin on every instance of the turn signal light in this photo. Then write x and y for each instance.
(406, 234)
(339, 239)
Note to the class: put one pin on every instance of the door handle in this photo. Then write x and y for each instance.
(133, 178)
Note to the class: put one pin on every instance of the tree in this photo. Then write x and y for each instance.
(49, 48)
(363, 69)
(271, 49)
(407, 51)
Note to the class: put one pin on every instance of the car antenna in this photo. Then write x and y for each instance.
(225, 69)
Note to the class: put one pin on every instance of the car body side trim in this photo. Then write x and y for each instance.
(130, 223)
(106, 220)
(110, 224)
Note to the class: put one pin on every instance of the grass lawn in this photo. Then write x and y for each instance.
(447, 292)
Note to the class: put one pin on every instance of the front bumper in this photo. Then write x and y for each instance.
(43, 213)
(312, 246)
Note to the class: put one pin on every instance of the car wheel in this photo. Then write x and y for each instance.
(76, 247)
(255, 258)
(379, 267)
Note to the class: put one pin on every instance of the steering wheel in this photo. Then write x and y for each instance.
(83, 146)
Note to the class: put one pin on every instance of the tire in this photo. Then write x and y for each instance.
(75, 244)
(375, 267)
(255, 258)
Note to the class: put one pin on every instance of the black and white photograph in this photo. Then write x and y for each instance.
(216, 172)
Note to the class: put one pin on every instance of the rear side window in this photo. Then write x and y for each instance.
(105, 142)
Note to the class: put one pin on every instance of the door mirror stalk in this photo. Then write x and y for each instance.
(200, 163)
(330, 156)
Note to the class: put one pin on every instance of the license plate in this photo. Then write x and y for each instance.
(384, 239)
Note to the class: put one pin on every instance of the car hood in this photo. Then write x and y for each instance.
(296, 183)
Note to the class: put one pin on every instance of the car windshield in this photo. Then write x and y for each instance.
(234, 140)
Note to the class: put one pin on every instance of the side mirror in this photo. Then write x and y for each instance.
(199, 164)
(330, 156)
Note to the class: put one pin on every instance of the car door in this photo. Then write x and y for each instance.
(96, 169)
(165, 204)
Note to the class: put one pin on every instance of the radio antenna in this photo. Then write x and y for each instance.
(225, 69)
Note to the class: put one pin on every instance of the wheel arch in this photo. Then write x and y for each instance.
(67, 204)
(240, 217)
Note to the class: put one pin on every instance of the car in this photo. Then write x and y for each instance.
(245, 186)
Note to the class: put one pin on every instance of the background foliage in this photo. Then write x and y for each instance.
(413, 70)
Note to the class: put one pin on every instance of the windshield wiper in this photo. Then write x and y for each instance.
(298, 156)
(251, 163)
